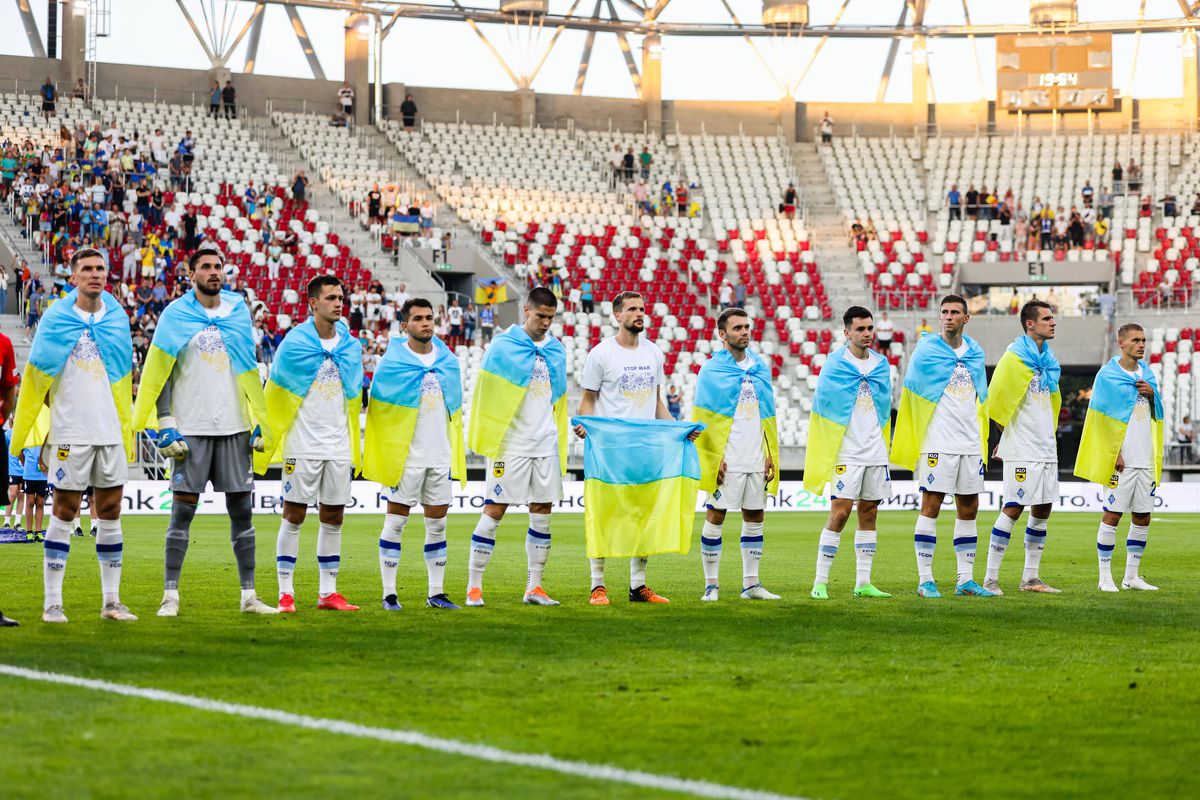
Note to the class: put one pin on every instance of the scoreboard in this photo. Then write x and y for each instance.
(1054, 71)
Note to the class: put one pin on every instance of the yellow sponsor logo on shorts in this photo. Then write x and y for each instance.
(840, 469)
(289, 466)
(497, 469)
(1020, 472)
(64, 451)
(931, 460)
(1112, 482)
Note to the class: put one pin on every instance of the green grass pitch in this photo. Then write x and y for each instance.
(1078, 695)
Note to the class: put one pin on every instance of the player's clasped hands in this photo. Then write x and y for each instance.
(1145, 390)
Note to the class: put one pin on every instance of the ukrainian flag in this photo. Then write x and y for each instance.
(293, 370)
(833, 405)
(717, 389)
(929, 372)
(182, 320)
(394, 405)
(1010, 381)
(503, 381)
(1113, 396)
(641, 480)
(56, 336)
(491, 290)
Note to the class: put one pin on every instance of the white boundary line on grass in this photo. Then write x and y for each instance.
(582, 769)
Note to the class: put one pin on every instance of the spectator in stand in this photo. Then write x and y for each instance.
(408, 112)
(1087, 193)
(426, 217)
(1062, 230)
(345, 100)
(374, 204)
(33, 307)
(402, 295)
(674, 401)
(1170, 205)
(725, 295)
(214, 100)
(739, 293)
(299, 187)
(1118, 177)
(1185, 436)
(616, 163)
(187, 147)
(586, 300)
(628, 163)
(1146, 209)
(1100, 230)
(80, 91)
(924, 328)
(358, 302)
(789, 201)
(826, 129)
(49, 96)
(454, 316)
(972, 202)
(1046, 228)
(229, 100)
(441, 325)
(885, 330)
(1195, 204)
(487, 323)
(470, 322)
(1075, 229)
(681, 199)
(954, 201)
(1106, 202)
(1133, 176)
(1014, 303)
(641, 196)
(646, 160)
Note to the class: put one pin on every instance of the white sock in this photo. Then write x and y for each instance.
(329, 557)
(1035, 544)
(435, 554)
(287, 547)
(710, 553)
(537, 549)
(389, 550)
(1001, 533)
(925, 542)
(826, 551)
(1106, 540)
(596, 565)
(1135, 546)
(55, 548)
(637, 572)
(483, 541)
(864, 557)
(109, 551)
(965, 541)
(752, 550)
(248, 594)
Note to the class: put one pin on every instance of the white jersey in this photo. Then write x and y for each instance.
(862, 443)
(1029, 436)
(82, 410)
(627, 380)
(1138, 447)
(954, 428)
(205, 397)
(534, 433)
(744, 448)
(430, 448)
(320, 429)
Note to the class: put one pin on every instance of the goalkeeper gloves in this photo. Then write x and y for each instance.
(170, 441)
(257, 443)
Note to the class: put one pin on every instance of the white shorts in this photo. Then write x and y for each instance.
(75, 467)
(1030, 483)
(428, 486)
(521, 480)
(1131, 491)
(739, 490)
(950, 474)
(860, 482)
(312, 480)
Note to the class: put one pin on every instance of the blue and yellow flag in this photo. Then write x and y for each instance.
(56, 336)
(503, 382)
(929, 372)
(718, 388)
(293, 370)
(641, 477)
(1114, 394)
(491, 290)
(395, 403)
(1016, 369)
(182, 320)
(833, 405)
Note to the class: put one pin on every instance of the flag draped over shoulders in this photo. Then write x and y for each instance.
(833, 406)
(717, 389)
(395, 404)
(929, 371)
(181, 320)
(641, 478)
(1014, 372)
(57, 334)
(293, 370)
(502, 384)
(1114, 393)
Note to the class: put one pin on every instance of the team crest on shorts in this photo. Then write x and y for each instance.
(64, 451)
(289, 466)
(931, 460)
(1112, 482)
(497, 469)
(1020, 473)
(840, 469)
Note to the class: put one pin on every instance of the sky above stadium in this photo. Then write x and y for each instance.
(437, 54)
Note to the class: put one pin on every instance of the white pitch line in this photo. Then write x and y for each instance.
(582, 769)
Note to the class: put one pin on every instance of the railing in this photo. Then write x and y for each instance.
(1158, 300)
